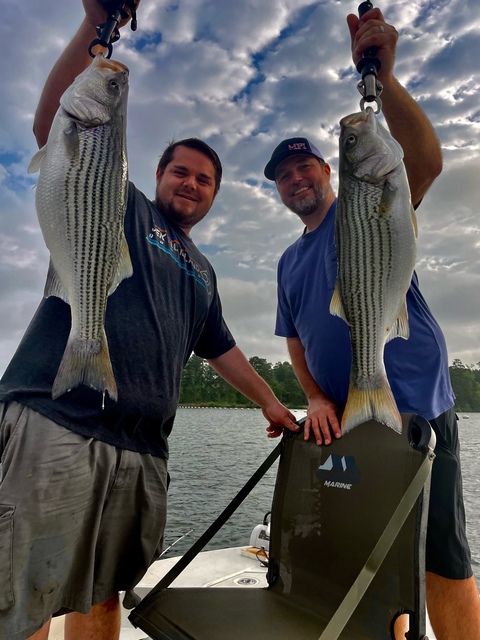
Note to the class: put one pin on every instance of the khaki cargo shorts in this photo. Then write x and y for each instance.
(80, 520)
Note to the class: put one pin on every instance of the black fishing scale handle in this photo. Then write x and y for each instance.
(369, 64)
(108, 32)
(362, 10)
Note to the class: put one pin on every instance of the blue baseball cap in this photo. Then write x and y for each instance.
(287, 148)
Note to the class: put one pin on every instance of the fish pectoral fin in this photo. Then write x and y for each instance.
(70, 139)
(414, 220)
(336, 306)
(388, 196)
(53, 285)
(37, 160)
(400, 328)
(124, 269)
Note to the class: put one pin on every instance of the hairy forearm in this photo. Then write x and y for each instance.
(413, 130)
(406, 120)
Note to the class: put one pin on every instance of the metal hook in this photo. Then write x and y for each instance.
(100, 42)
(108, 32)
(376, 101)
(371, 89)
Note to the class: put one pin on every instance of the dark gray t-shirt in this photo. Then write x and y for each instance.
(154, 320)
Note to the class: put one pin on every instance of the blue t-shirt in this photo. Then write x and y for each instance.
(417, 368)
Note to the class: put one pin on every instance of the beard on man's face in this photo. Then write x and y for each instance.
(167, 207)
(306, 206)
(174, 213)
(310, 203)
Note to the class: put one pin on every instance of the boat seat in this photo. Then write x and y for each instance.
(347, 547)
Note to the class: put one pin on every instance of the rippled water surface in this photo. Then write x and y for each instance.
(213, 452)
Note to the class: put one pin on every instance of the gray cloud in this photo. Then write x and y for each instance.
(244, 75)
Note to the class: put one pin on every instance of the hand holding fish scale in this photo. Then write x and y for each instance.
(96, 12)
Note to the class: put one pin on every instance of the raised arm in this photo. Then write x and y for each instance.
(406, 120)
(70, 64)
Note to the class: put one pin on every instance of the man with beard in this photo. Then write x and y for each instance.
(417, 368)
(83, 480)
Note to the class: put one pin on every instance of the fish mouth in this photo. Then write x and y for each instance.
(111, 65)
(356, 118)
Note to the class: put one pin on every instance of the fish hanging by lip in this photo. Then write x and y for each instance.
(375, 238)
(81, 197)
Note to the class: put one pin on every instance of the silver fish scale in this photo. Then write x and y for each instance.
(375, 241)
(94, 222)
(81, 201)
(362, 235)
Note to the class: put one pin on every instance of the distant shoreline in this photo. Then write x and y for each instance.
(208, 405)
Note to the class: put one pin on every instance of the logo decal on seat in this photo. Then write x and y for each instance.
(339, 472)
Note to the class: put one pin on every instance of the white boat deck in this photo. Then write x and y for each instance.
(220, 568)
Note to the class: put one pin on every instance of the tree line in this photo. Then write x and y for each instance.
(202, 386)
(466, 385)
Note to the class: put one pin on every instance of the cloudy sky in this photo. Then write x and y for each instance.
(242, 75)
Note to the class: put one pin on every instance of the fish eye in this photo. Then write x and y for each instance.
(114, 84)
(351, 140)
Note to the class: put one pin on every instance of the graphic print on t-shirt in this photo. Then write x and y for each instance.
(159, 238)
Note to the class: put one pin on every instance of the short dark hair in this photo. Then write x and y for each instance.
(199, 145)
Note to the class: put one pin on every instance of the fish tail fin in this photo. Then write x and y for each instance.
(85, 361)
(372, 404)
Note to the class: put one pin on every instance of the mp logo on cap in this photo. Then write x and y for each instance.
(297, 145)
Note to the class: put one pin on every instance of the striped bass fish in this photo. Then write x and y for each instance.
(81, 198)
(375, 237)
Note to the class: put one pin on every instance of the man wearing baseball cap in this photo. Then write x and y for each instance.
(417, 368)
(288, 148)
(303, 180)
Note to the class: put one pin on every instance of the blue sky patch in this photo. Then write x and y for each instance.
(149, 40)
(8, 158)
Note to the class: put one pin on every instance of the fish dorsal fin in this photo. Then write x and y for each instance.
(125, 269)
(336, 306)
(37, 160)
(53, 285)
(400, 328)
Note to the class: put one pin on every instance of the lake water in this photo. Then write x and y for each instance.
(215, 451)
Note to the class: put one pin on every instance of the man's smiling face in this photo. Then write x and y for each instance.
(303, 184)
(186, 188)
